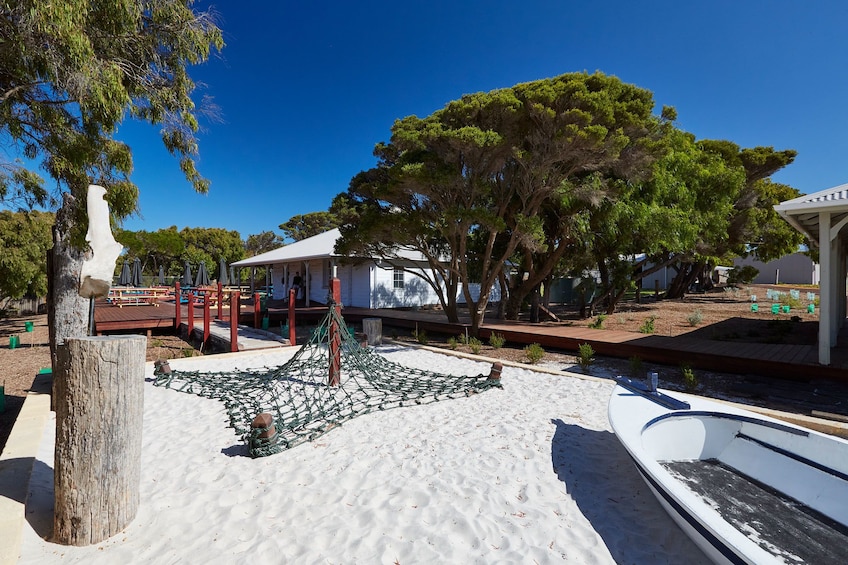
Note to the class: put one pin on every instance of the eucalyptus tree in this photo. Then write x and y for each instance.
(469, 184)
(24, 239)
(71, 72)
(302, 226)
(739, 207)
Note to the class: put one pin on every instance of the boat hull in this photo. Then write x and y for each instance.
(746, 488)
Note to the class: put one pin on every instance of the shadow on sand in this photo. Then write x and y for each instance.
(604, 483)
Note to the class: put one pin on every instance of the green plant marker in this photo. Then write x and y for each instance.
(755, 307)
(775, 308)
(2, 398)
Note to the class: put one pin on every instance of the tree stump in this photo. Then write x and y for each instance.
(99, 400)
(373, 329)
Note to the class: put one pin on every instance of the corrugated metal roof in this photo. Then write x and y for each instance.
(836, 196)
(321, 246)
(314, 247)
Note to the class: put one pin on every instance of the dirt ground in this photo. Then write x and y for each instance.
(720, 314)
(19, 366)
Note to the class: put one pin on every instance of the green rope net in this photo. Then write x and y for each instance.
(299, 399)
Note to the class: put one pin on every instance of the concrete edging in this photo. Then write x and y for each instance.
(16, 464)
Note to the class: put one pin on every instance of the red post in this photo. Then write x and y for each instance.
(334, 337)
(257, 309)
(235, 299)
(206, 316)
(220, 298)
(177, 307)
(292, 333)
(190, 316)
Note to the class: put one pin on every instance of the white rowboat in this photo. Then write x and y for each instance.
(745, 487)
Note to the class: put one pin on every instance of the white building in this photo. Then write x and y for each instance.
(795, 268)
(369, 283)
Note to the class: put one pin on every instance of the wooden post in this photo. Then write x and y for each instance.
(177, 307)
(257, 310)
(99, 402)
(206, 315)
(190, 315)
(235, 303)
(334, 337)
(220, 299)
(373, 328)
(292, 332)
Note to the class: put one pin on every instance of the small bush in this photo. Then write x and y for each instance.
(586, 356)
(452, 343)
(475, 345)
(690, 381)
(695, 318)
(496, 340)
(188, 352)
(462, 339)
(420, 336)
(156, 343)
(647, 326)
(637, 370)
(599, 322)
(534, 353)
(743, 275)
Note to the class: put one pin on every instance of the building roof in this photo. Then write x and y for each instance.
(803, 212)
(319, 246)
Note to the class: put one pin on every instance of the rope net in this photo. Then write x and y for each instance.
(299, 399)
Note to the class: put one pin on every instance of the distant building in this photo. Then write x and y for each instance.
(796, 268)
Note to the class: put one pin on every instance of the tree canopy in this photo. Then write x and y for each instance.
(303, 226)
(73, 70)
(470, 184)
(24, 238)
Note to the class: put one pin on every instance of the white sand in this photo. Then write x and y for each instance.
(528, 474)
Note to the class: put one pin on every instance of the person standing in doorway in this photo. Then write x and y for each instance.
(297, 283)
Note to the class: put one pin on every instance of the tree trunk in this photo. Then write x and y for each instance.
(67, 311)
(99, 399)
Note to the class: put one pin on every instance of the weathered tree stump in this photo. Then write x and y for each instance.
(99, 400)
(373, 329)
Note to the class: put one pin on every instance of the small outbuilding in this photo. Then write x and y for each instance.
(822, 217)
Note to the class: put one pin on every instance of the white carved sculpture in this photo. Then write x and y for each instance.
(96, 274)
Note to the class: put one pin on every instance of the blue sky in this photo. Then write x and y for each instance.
(306, 89)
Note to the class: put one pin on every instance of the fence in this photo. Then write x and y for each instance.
(24, 306)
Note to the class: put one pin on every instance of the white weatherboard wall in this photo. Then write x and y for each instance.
(415, 291)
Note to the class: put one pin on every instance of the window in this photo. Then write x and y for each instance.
(398, 278)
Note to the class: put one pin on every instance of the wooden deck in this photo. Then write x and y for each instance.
(794, 362)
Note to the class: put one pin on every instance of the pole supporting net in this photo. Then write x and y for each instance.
(301, 402)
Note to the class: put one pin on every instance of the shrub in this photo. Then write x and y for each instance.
(695, 318)
(745, 275)
(452, 343)
(188, 352)
(462, 339)
(474, 344)
(637, 370)
(534, 353)
(156, 343)
(599, 322)
(420, 336)
(496, 340)
(690, 381)
(647, 326)
(586, 356)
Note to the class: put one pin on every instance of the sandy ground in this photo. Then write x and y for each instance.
(530, 473)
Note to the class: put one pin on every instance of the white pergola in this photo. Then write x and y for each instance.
(822, 217)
